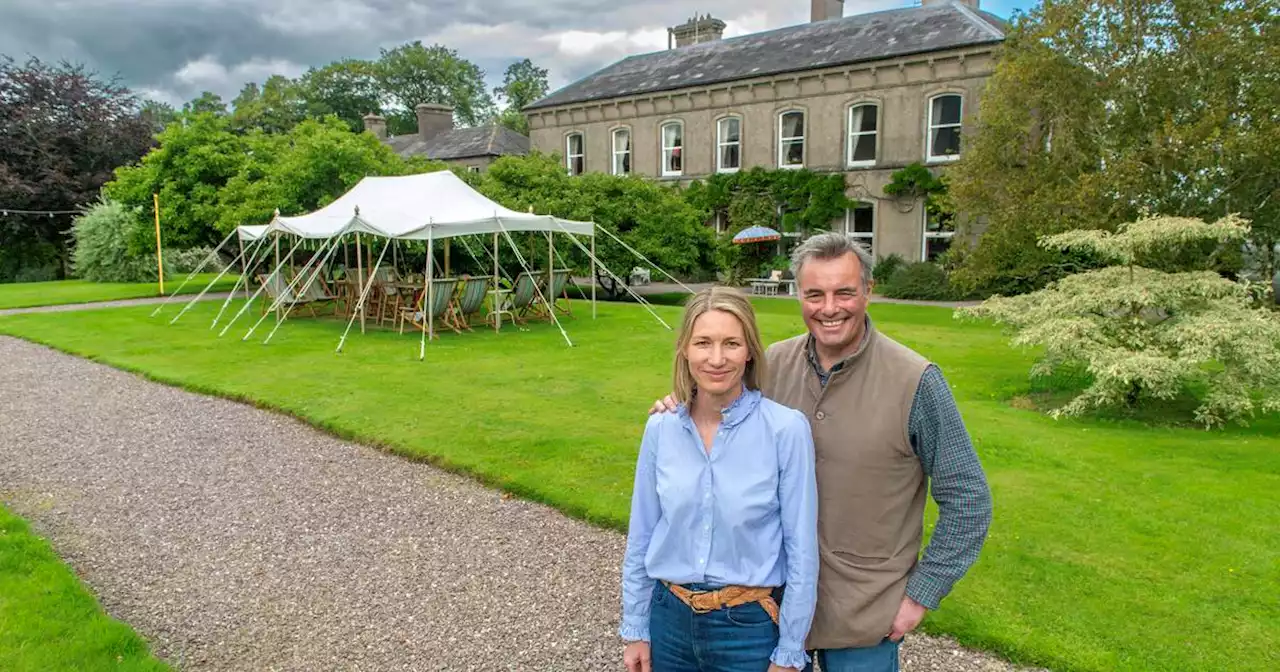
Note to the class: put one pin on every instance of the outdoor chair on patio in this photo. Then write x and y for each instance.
(469, 301)
(276, 287)
(559, 284)
(442, 291)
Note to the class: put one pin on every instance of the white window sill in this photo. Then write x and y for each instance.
(860, 164)
(792, 167)
(728, 171)
(948, 158)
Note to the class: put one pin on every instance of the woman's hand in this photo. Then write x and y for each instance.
(636, 656)
(667, 404)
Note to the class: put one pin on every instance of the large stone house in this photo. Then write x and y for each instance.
(865, 95)
(474, 148)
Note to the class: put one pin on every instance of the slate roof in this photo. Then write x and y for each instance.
(852, 39)
(463, 143)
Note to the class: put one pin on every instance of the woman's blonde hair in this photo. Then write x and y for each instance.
(735, 303)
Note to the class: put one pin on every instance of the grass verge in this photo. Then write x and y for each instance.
(64, 292)
(49, 621)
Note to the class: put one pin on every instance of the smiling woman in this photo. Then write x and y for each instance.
(724, 510)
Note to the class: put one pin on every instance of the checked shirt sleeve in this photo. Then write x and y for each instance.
(958, 484)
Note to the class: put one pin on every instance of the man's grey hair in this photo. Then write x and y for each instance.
(832, 245)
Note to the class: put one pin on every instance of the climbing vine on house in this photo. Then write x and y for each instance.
(807, 201)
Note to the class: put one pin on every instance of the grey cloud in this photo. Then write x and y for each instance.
(232, 41)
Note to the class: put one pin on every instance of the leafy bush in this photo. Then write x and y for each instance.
(919, 281)
(187, 261)
(885, 268)
(1143, 333)
(102, 252)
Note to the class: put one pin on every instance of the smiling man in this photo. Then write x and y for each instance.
(886, 430)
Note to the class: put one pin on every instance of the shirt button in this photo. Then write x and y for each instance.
(820, 415)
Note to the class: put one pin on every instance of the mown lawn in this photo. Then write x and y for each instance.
(1115, 546)
(48, 621)
(62, 292)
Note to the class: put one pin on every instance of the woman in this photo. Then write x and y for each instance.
(724, 511)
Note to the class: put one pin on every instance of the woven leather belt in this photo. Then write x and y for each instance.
(705, 601)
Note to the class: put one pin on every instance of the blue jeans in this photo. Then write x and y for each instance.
(882, 657)
(734, 639)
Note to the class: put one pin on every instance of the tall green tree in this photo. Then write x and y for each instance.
(1101, 111)
(522, 84)
(348, 88)
(412, 73)
(196, 157)
(62, 131)
(275, 108)
(206, 102)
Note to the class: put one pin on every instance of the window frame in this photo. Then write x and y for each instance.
(926, 236)
(569, 155)
(629, 153)
(848, 224)
(663, 149)
(929, 156)
(803, 137)
(851, 133)
(721, 143)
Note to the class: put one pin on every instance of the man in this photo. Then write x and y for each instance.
(885, 429)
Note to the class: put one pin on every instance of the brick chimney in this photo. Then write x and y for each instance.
(433, 119)
(376, 125)
(821, 10)
(697, 30)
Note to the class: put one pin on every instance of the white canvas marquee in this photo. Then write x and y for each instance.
(423, 207)
(413, 207)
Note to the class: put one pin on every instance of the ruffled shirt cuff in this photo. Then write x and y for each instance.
(630, 632)
(789, 657)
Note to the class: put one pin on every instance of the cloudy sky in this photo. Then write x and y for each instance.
(171, 50)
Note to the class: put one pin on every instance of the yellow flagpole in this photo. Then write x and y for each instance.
(159, 255)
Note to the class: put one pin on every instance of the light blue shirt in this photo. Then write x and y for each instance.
(746, 514)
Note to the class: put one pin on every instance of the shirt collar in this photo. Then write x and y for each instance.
(739, 410)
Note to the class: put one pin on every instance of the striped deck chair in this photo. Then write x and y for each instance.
(275, 287)
(442, 291)
(317, 294)
(559, 285)
(469, 302)
(524, 295)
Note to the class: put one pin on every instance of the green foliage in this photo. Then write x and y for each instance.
(1100, 111)
(653, 219)
(347, 88)
(1149, 334)
(808, 201)
(914, 181)
(303, 170)
(412, 73)
(195, 159)
(918, 281)
(522, 85)
(275, 108)
(102, 252)
(885, 268)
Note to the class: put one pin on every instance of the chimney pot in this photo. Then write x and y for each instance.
(698, 30)
(433, 119)
(376, 125)
(822, 10)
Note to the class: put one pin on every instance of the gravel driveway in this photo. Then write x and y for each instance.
(233, 538)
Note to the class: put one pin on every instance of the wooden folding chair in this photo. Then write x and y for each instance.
(441, 296)
(469, 302)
